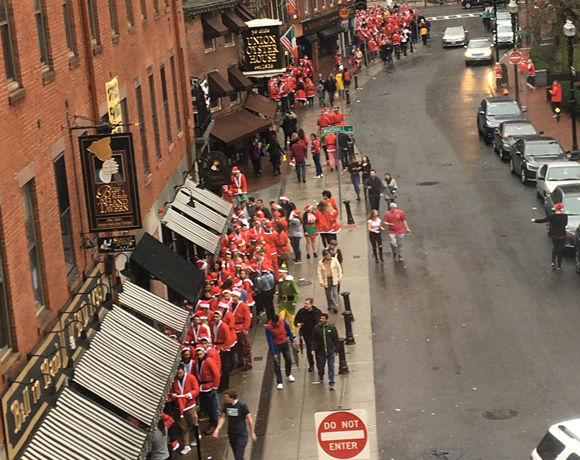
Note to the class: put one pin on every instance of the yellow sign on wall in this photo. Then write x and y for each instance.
(114, 105)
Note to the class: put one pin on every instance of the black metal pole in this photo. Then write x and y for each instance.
(346, 298)
(349, 218)
(348, 327)
(342, 365)
(514, 16)
(495, 27)
(572, 91)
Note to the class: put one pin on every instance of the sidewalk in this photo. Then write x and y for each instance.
(285, 419)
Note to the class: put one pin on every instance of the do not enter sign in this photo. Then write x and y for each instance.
(342, 435)
(516, 57)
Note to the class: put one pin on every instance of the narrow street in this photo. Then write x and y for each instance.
(474, 326)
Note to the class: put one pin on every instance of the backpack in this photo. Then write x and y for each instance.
(346, 76)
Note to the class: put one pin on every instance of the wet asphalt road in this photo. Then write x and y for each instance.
(474, 320)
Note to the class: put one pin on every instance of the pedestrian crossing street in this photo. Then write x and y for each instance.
(453, 16)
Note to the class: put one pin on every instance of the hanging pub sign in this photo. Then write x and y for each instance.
(215, 170)
(109, 244)
(262, 50)
(110, 180)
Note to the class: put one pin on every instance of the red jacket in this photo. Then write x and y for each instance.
(238, 186)
(298, 151)
(214, 354)
(556, 93)
(323, 121)
(193, 335)
(221, 336)
(242, 316)
(188, 386)
(207, 374)
(282, 243)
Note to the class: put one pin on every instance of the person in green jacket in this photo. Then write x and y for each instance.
(288, 296)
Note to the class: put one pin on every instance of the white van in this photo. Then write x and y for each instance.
(561, 442)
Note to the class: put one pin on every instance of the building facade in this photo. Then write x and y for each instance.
(55, 62)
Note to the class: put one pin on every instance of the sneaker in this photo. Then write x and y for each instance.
(310, 368)
(332, 387)
(186, 450)
(320, 381)
(291, 378)
(297, 261)
(193, 443)
(553, 265)
(335, 310)
(400, 259)
(331, 169)
(308, 256)
(321, 176)
(314, 255)
(175, 445)
(559, 267)
(280, 386)
(317, 177)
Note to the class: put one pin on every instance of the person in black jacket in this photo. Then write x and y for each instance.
(325, 345)
(305, 320)
(557, 222)
(374, 188)
(331, 88)
(289, 126)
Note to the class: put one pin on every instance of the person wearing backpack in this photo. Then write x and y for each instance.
(346, 78)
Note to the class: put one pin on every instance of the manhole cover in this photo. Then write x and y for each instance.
(500, 414)
(427, 184)
(444, 164)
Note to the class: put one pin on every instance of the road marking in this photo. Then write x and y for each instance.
(456, 16)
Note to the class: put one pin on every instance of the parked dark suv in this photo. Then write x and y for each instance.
(467, 4)
(493, 111)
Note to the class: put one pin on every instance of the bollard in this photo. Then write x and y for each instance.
(342, 365)
(346, 297)
(349, 218)
(348, 327)
(356, 82)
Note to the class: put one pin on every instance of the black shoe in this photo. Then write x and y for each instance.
(246, 368)
(314, 255)
(304, 180)
(310, 368)
(376, 259)
(382, 260)
(553, 266)
(308, 256)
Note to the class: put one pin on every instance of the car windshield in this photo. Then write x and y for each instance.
(504, 29)
(478, 44)
(572, 205)
(454, 31)
(564, 173)
(536, 149)
(520, 130)
(503, 108)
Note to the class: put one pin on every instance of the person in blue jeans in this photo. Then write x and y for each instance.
(295, 233)
(354, 170)
(280, 337)
(298, 153)
(324, 347)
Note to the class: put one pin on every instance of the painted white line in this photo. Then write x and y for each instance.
(342, 435)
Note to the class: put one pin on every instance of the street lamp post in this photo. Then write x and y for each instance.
(513, 10)
(570, 33)
(495, 26)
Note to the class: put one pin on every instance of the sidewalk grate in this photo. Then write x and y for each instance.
(427, 184)
(500, 414)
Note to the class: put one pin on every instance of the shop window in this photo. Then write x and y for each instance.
(8, 42)
(216, 104)
(306, 6)
(323, 3)
(6, 322)
(230, 39)
(65, 218)
(209, 44)
(33, 240)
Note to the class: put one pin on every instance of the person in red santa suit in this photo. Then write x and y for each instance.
(208, 375)
(221, 335)
(238, 187)
(310, 91)
(301, 92)
(205, 342)
(330, 144)
(271, 250)
(197, 330)
(337, 116)
(322, 121)
(284, 89)
(183, 393)
(187, 359)
(243, 320)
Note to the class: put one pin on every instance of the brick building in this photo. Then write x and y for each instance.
(55, 60)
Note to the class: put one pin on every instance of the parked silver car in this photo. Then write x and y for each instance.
(454, 36)
(555, 173)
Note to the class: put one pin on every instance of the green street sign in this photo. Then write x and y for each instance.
(486, 15)
(338, 129)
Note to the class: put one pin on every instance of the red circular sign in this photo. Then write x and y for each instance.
(516, 57)
(342, 435)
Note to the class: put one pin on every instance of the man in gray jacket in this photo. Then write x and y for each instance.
(325, 346)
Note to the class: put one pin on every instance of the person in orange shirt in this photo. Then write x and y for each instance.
(556, 95)
(531, 75)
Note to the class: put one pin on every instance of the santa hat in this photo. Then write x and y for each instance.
(308, 206)
(269, 224)
(236, 293)
(217, 312)
(203, 304)
(205, 338)
(296, 211)
(284, 198)
(167, 420)
(235, 170)
(199, 347)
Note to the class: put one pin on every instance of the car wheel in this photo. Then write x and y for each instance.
(523, 177)
(486, 139)
(512, 168)
(467, 5)
(501, 154)
(466, 63)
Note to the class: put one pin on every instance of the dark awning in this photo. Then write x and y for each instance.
(244, 13)
(169, 267)
(233, 22)
(238, 125)
(213, 26)
(331, 31)
(261, 105)
(79, 428)
(238, 80)
(218, 86)
(311, 38)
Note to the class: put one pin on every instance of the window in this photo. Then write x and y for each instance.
(323, 3)
(165, 96)
(8, 42)
(216, 104)
(41, 32)
(144, 10)
(156, 7)
(30, 216)
(68, 27)
(142, 129)
(306, 6)
(130, 16)
(235, 98)
(155, 116)
(5, 313)
(175, 93)
(113, 17)
(65, 219)
(230, 39)
(94, 22)
(209, 44)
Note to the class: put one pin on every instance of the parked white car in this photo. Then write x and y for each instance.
(561, 442)
(555, 173)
